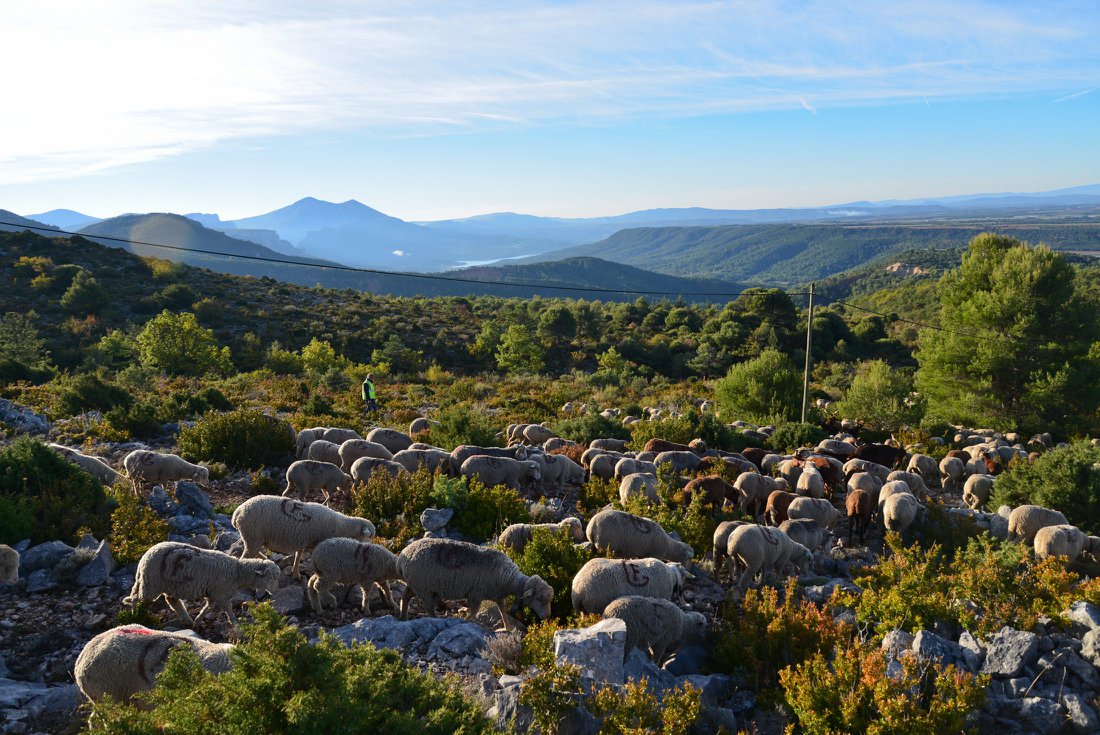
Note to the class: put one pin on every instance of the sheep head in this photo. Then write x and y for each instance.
(537, 595)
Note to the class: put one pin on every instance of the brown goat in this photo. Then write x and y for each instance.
(859, 508)
(778, 503)
(714, 489)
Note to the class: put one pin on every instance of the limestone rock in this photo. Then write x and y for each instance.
(930, 647)
(434, 519)
(98, 569)
(1082, 715)
(1009, 652)
(43, 556)
(192, 497)
(598, 650)
(290, 600)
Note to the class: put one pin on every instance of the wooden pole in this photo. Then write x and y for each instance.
(809, 344)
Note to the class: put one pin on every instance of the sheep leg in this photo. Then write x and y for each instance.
(202, 612)
(296, 572)
(473, 604)
(227, 606)
(406, 598)
(178, 606)
(504, 617)
(311, 592)
(386, 594)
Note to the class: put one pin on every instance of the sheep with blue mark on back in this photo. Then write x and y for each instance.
(601, 581)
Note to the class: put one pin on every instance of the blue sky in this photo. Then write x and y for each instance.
(429, 110)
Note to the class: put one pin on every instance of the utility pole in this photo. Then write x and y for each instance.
(809, 344)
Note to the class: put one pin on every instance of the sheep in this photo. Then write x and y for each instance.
(338, 436)
(860, 506)
(893, 487)
(353, 449)
(611, 445)
(500, 471)
(588, 455)
(94, 466)
(807, 532)
(145, 466)
(307, 474)
(630, 465)
(363, 468)
(536, 434)
(601, 581)
(951, 471)
(874, 469)
(899, 512)
(779, 502)
(713, 489)
(759, 549)
(179, 571)
(518, 535)
(976, 490)
(9, 565)
(419, 426)
(431, 459)
(345, 560)
(284, 525)
(817, 509)
(882, 454)
(1026, 520)
(323, 450)
(868, 483)
(810, 483)
(438, 569)
(721, 538)
(463, 452)
(557, 471)
(602, 466)
(696, 446)
(125, 661)
(391, 439)
(680, 461)
(925, 466)
(753, 490)
(556, 443)
(629, 536)
(305, 438)
(914, 481)
(840, 449)
(789, 469)
(639, 484)
(656, 626)
(1062, 540)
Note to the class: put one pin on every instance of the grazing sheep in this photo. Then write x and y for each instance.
(463, 452)
(354, 449)
(853, 466)
(144, 466)
(94, 466)
(626, 535)
(680, 461)
(126, 660)
(759, 549)
(307, 474)
(345, 560)
(1063, 540)
(431, 459)
(438, 569)
(610, 445)
(179, 572)
(867, 482)
(952, 470)
(556, 444)
(656, 626)
(630, 465)
(925, 466)
(363, 468)
(588, 455)
(714, 490)
(1026, 520)
(557, 471)
(518, 535)
(913, 481)
(779, 503)
(9, 565)
(639, 484)
(721, 538)
(419, 426)
(323, 450)
(338, 436)
(391, 439)
(305, 438)
(808, 533)
(860, 506)
(501, 471)
(284, 525)
(840, 449)
(977, 489)
(537, 434)
(696, 446)
(894, 487)
(601, 581)
(602, 466)
(789, 469)
(810, 483)
(753, 490)
(817, 509)
(899, 512)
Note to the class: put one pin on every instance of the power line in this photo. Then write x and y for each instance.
(399, 274)
(896, 318)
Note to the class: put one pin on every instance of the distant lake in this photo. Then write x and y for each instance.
(470, 263)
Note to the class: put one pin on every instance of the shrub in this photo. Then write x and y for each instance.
(176, 344)
(583, 429)
(853, 693)
(85, 295)
(393, 504)
(765, 389)
(765, 636)
(134, 527)
(243, 439)
(793, 435)
(43, 497)
(485, 511)
(596, 493)
(87, 392)
(552, 556)
(690, 425)
(138, 420)
(281, 683)
(552, 693)
(634, 709)
(459, 425)
(1067, 479)
(881, 397)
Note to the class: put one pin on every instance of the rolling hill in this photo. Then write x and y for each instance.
(12, 222)
(65, 219)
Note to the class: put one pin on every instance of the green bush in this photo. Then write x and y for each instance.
(135, 527)
(242, 439)
(85, 295)
(482, 512)
(280, 684)
(136, 421)
(43, 497)
(583, 429)
(850, 692)
(459, 424)
(690, 425)
(1066, 479)
(176, 344)
(87, 392)
(394, 504)
(552, 556)
(765, 389)
(634, 709)
(793, 435)
(12, 371)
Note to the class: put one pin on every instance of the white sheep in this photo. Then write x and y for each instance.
(536, 434)
(807, 532)
(501, 471)
(754, 490)
(977, 489)
(628, 536)
(601, 581)
(810, 483)
(722, 534)
(345, 560)
(430, 459)
(656, 626)
(1026, 520)
(893, 487)
(681, 461)
(179, 572)
(1063, 540)
(308, 474)
(284, 525)
(592, 452)
(925, 466)
(630, 465)
(419, 426)
(438, 569)
(305, 438)
(145, 466)
(126, 660)
(518, 535)
(353, 449)
(391, 439)
(9, 565)
(867, 482)
(639, 484)
(790, 470)
(913, 481)
(322, 450)
(94, 466)
(899, 511)
(557, 471)
(611, 445)
(463, 452)
(759, 549)
(603, 466)
(952, 470)
(337, 435)
(556, 443)
(364, 467)
(817, 509)
(882, 472)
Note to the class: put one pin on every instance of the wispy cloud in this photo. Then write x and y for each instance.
(1074, 96)
(100, 85)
